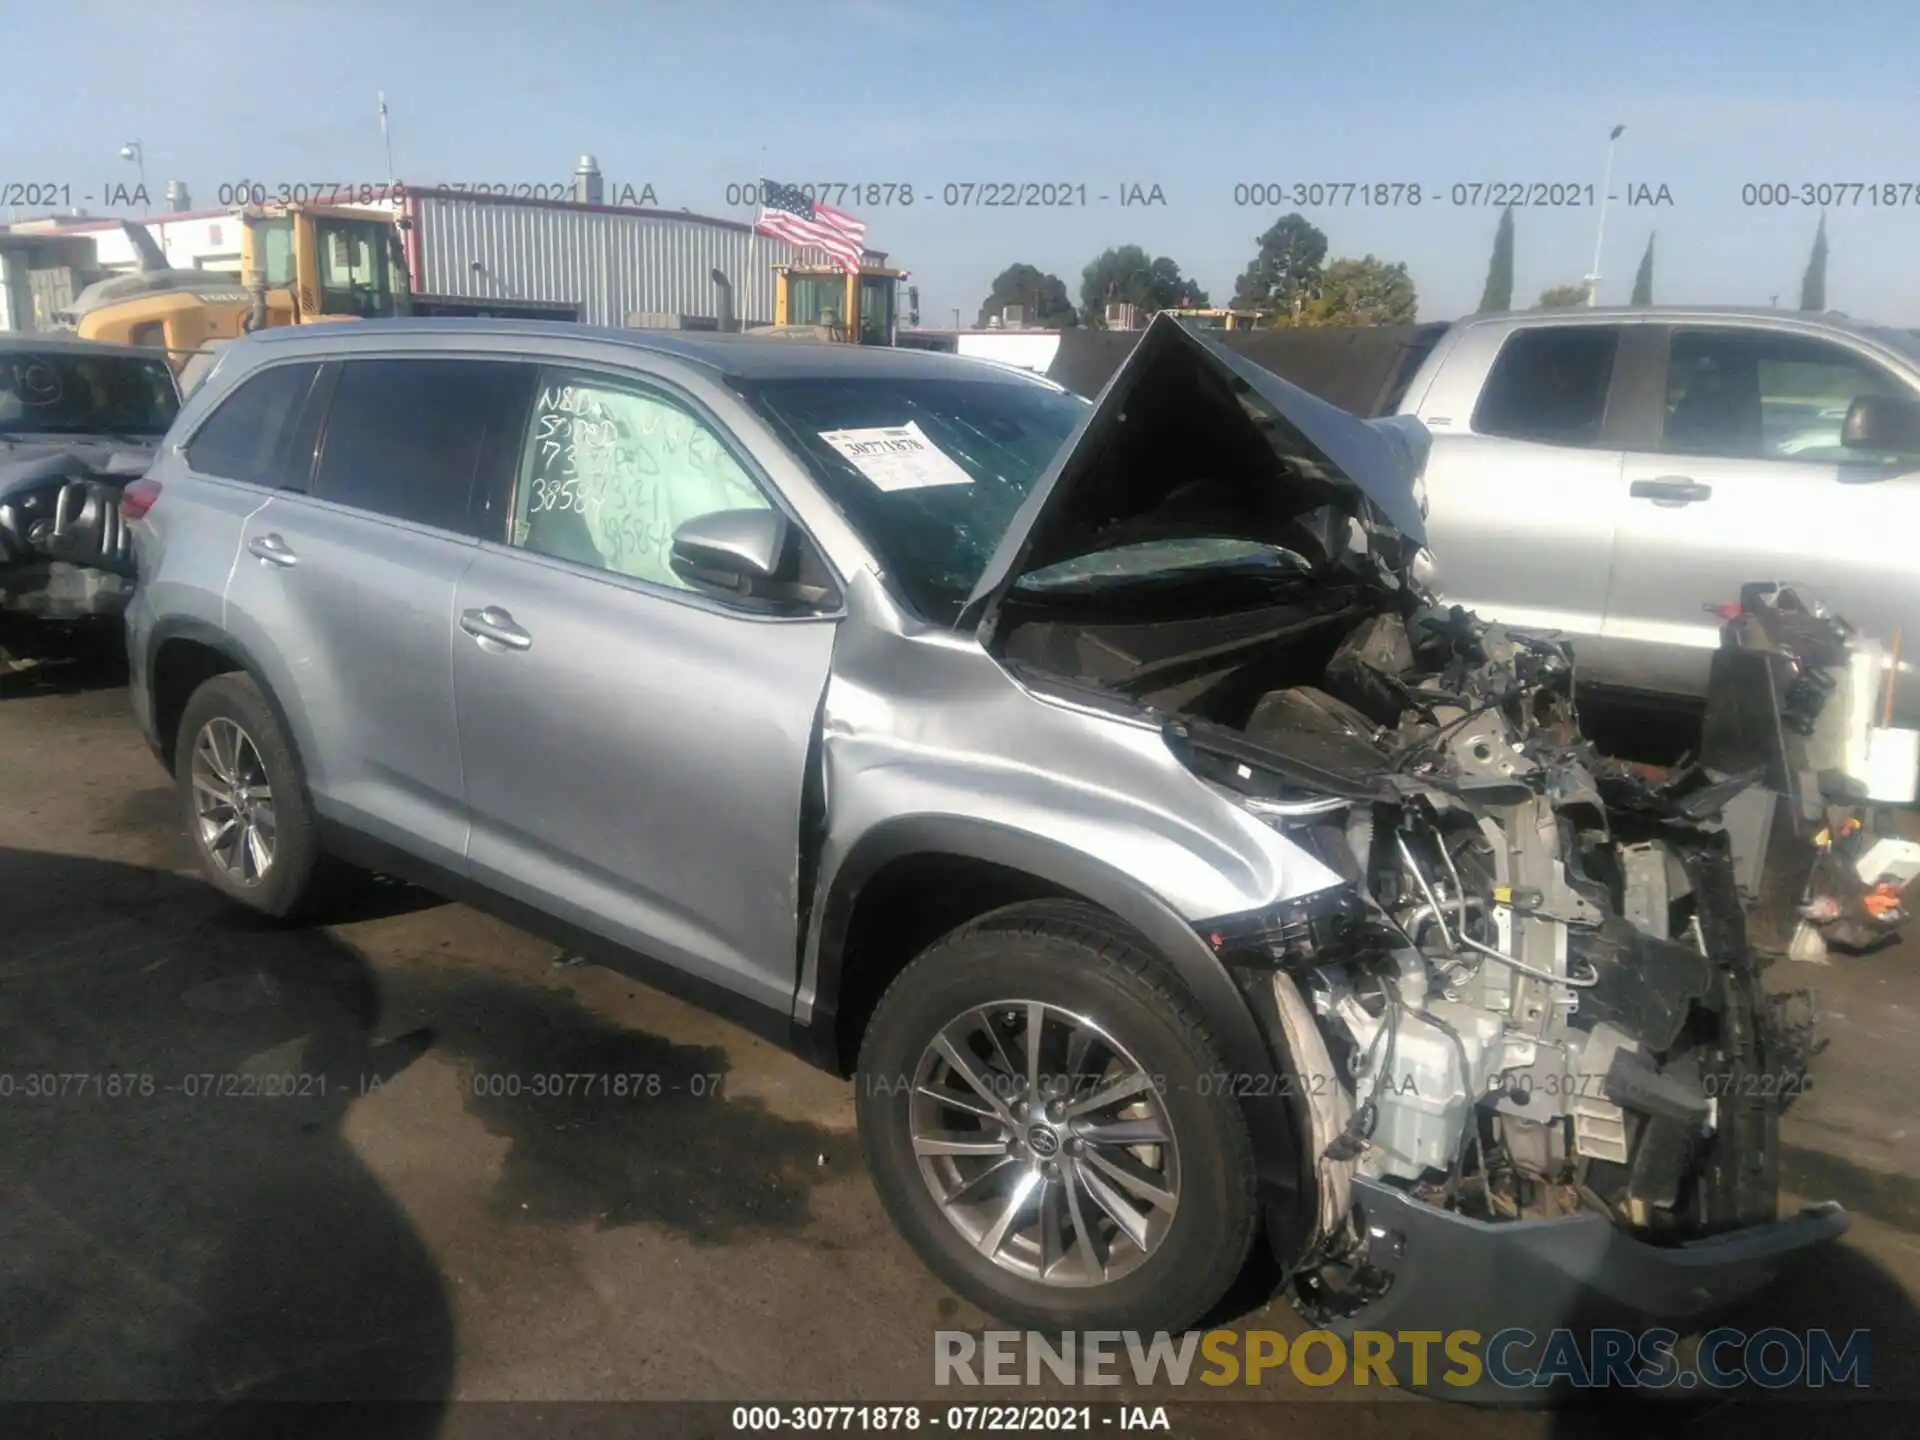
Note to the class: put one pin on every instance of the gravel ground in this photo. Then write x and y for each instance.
(398, 1228)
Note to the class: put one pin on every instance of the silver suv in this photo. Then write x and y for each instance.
(1093, 783)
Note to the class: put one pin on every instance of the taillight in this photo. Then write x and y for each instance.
(138, 498)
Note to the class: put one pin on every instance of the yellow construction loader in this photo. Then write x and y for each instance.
(299, 264)
(860, 307)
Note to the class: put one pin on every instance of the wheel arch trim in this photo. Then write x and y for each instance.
(1230, 1018)
(199, 632)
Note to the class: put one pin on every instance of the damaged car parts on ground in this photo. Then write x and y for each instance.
(1097, 784)
(78, 422)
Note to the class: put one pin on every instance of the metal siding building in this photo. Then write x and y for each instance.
(612, 262)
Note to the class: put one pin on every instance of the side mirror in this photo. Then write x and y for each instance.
(1886, 424)
(748, 555)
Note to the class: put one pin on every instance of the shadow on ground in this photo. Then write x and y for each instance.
(64, 664)
(1840, 1290)
(612, 1125)
(183, 1221)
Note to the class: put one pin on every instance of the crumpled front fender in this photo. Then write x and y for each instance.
(76, 520)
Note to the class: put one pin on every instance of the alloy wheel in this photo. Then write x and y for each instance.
(233, 801)
(1045, 1143)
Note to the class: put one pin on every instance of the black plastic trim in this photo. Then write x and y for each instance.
(211, 636)
(1637, 399)
(385, 858)
(1448, 1272)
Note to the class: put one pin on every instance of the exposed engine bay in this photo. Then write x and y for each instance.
(78, 422)
(58, 510)
(1534, 994)
(1504, 978)
(66, 557)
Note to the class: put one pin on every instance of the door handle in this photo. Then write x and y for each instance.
(273, 550)
(1670, 490)
(495, 624)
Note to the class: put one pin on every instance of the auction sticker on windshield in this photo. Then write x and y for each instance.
(897, 457)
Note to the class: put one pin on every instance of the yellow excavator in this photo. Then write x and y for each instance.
(299, 264)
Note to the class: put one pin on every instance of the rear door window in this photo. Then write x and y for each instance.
(1550, 383)
(245, 437)
(414, 440)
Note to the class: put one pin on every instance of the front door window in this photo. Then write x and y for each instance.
(1754, 395)
(612, 470)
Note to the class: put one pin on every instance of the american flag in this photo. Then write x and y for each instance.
(790, 215)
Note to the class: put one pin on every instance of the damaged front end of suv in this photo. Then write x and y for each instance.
(1532, 1000)
(78, 423)
(1536, 1074)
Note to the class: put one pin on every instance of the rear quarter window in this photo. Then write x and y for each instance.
(1550, 384)
(244, 438)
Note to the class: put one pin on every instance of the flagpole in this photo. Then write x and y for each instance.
(386, 139)
(753, 235)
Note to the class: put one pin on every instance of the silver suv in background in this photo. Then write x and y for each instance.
(1614, 473)
(1094, 784)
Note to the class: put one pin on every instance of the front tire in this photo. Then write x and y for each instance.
(245, 800)
(1096, 1179)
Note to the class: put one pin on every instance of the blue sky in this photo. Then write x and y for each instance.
(1193, 96)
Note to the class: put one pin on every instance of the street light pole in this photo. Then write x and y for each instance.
(1600, 238)
(133, 151)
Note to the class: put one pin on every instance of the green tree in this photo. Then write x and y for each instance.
(1813, 285)
(1643, 278)
(1562, 297)
(1286, 271)
(1363, 292)
(1124, 275)
(1173, 290)
(1497, 295)
(1043, 295)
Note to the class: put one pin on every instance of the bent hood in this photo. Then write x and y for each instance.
(1189, 439)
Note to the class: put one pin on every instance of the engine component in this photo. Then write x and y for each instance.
(1547, 1001)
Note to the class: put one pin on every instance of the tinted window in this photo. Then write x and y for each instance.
(303, 431)
(816, 299)
(1550, 384)
(275, 241)
(1752, 395)
(243, 438)
(612, 470)
(76, 393)
(406, 438)
(876, 309)
(356, 267)
(974, 450)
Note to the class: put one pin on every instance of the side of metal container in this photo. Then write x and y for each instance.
(613, 263)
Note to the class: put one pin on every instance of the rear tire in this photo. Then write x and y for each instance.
(245, 802)
(1092, 986)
